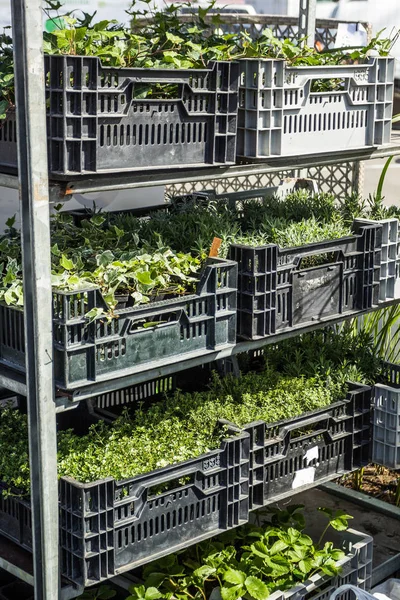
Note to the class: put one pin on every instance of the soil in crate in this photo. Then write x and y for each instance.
(375, 481)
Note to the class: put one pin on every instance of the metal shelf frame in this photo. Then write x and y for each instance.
(36, 194)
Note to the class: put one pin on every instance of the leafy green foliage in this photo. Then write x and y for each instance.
(104, 592)
(295, 378)
(251, 562)
(161, 256)
(164, 42)
(7, 91)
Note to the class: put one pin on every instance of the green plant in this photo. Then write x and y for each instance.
(251, 562)
(295, 378)
(104, 592)
(164, 42)
(397, 493)
(358, 479)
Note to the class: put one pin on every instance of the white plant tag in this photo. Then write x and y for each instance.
(311, 454)
(303, 477)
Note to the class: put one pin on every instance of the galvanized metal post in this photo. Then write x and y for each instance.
(307, 20)
(34, 193)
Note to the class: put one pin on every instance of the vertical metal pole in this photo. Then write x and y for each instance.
(307, 19)
(34, 193)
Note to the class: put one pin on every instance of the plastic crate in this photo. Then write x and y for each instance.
(84, 352)
(276, 293)
(95, 124)
(386, 420)
(318, 446)
(280, 115)
(109, 527)
(356, 569)
(289, 455)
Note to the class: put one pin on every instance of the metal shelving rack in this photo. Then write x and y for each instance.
(36, 192)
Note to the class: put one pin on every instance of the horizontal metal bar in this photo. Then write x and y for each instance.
(172, 365)
(16, 571)
(142, 179)
(63, 190)
(18, 562)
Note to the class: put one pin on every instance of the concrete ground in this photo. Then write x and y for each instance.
(385, 530)
(391, 188)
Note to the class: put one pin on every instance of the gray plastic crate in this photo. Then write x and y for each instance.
(356, 569)
(280, 115)
(86, 351)
(96, 123)
(275, 291)
(389, 281)
(386, 420)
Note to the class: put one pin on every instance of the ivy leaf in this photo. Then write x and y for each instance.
(66, 263)
(256, 588)
(175, 39)
(105, 258)
(55, 250)
(234, 576)
(144, 277)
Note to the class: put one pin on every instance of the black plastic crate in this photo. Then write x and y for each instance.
(109, 527)
(276, 292)
(95, 124)
(295, 454)
(85, 352)
(289, 455)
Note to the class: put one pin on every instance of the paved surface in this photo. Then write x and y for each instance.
(384, 530)
(391, 189)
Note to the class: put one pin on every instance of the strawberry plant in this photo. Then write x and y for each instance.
(251, 562)
(160, 256)
(165, 43)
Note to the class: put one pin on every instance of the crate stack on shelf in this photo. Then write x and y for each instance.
(260, 111)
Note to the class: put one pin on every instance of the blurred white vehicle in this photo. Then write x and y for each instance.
(325, 8)
(382, 15)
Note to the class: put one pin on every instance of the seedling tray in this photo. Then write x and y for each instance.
(276, 292)
(97, 122)
(281, 115)
(109, 526)
(87, 352)
(386, 419)
(299, 453)
(289, 456)
(356, 569)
